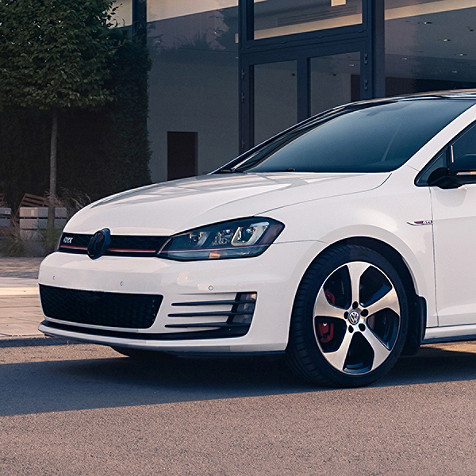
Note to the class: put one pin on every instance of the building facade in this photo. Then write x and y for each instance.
(227, 74)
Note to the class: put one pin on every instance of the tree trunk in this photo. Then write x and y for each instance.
(50, 232)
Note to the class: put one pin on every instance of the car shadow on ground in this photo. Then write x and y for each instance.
(88, 377)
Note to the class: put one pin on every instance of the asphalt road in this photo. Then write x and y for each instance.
(83, 409)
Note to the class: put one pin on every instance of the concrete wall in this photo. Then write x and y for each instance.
(194, 96)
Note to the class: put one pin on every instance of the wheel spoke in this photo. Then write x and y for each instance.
(323, 308)
(337, 358)
(381, 352)
(356, 270)
(389, 301)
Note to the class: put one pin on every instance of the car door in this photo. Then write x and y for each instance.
(454, 228)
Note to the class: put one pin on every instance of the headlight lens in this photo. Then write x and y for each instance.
(241, 238)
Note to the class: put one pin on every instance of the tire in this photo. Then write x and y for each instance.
(350, 318)
(141, 354)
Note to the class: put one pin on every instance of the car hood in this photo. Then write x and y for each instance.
(179, 205)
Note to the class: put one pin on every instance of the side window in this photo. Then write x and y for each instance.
(440, 161)
(459, 155)
(463, 150)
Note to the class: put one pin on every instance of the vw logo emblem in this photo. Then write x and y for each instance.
(99, 243)
(354, 317)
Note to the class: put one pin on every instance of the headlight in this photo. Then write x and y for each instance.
(232, 239)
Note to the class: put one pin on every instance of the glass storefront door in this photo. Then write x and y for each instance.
(275, 98)
(285, 93)
(335, 80)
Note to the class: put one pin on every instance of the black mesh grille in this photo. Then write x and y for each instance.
(121, 245)
(135, 311)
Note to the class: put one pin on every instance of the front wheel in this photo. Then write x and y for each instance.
(349, 320)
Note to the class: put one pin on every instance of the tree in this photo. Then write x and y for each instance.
(54, 54)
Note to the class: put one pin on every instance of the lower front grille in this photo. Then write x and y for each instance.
(132, 311)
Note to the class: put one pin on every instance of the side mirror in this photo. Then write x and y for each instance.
(443, 178)
(453, 177)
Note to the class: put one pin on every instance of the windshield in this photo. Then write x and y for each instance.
(362, 138)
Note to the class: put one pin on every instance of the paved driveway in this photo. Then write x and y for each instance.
(82, 409)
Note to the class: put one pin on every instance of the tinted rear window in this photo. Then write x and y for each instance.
(376, 138)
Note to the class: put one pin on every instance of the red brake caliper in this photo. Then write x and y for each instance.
(325, 330)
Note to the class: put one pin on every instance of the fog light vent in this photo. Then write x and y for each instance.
(229, 316)
(244, 308)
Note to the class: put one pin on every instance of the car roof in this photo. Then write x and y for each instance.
(454, 94)
(447, 94)
(451, 93)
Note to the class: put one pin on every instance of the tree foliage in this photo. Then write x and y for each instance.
(107, 150)
(62, 56)
(102, 150)
(54, 53)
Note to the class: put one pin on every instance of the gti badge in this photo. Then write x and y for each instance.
(99, 243)
(420, 222)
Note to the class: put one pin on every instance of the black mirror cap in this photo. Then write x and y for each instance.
(451, 178)
(443, 178)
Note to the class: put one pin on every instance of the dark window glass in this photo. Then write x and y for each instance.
(440, 161)
(182, 154)
(464, 150)
(376, 138)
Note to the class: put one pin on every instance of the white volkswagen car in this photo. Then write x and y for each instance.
(342, 242)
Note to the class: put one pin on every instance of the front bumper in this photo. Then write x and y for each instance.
(190, 293)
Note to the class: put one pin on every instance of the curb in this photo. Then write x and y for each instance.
(34, 341)
(21, 291)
